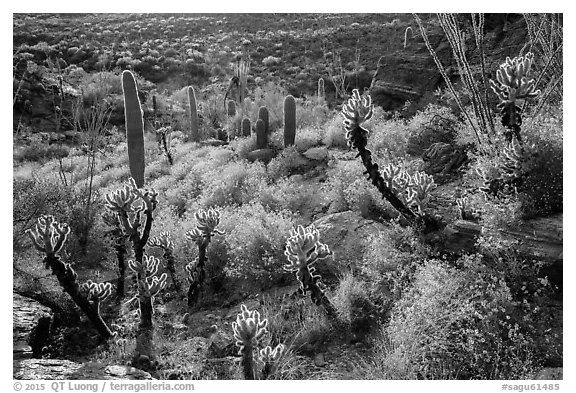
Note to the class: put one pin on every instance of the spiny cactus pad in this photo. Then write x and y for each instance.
(248, 328)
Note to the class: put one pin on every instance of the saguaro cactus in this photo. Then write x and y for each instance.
(289, 121)
(261, 135)
(246, 127)
(265, 117)
(194, 130)
(231, 108)
(49, 236)
(303, 250)
(248, 329)
(134, 127)
(321, 90)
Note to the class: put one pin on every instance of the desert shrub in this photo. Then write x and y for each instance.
(312, 113)
(232, 184)
(390, 260)
(456, 324)
(335, 134)
(286, 163)
(243, 146)
(387, 135)
(40, 152)
(255, 242)
(347, 186)
(307, 138)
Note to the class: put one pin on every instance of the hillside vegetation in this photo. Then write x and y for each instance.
(217, 196)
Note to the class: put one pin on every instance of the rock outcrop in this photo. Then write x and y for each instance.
(408, 74)
(30, 323)
(51, 369)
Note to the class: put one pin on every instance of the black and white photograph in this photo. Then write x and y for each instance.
(287, 196)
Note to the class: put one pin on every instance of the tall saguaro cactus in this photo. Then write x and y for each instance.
(194, 130)
(261, 136)
(321, 91)
(134, 127)
(265, 117)
(289, 121)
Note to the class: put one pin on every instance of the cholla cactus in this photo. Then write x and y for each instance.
(111, 219)
(466, 211)
(201, 235)
(248, 329)
(96, 292)
(167, 245)
(123, 203)
(49, 236)
(513, 84)
(356, 111)
(413, 191)
(303, 250)
(270, 356)
(163, 136)
(421, 184)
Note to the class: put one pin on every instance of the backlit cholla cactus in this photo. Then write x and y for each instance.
(96, 292)
(413, 191)
(248, 329)
(136, 221)
(507, 176)
(119, 238)
(164, 242)
(149, 282)
(49, 236)
(122, 202)
(512, 84)
(269, 357)
(303, 250)
(356, 111)
(201, 235)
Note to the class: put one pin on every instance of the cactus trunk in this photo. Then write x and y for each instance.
(194, 130)
(289, 121)
(246, 127)
(248, 362)
(261, 136)
(265, 117)
(134, 127)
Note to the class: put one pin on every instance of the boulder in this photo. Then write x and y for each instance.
(30, 325)
(264, 155)
(317, 153)
(50, 369)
